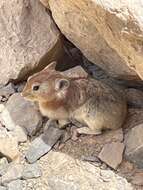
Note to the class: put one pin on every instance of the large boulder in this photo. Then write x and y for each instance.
(64, 172)
(109, 33)
(28, 37)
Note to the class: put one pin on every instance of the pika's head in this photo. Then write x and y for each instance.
(47, 85)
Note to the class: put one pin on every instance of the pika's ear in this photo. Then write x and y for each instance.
(61, 84)
(51, 66)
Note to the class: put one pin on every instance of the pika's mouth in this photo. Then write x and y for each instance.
(27, 96)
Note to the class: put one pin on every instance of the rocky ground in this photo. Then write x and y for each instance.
(36, 155)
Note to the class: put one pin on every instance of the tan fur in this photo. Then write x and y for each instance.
(86, 100)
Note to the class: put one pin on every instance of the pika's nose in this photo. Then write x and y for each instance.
(24, 94)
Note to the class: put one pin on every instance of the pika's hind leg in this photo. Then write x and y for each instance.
(94, 126)
(88, 131)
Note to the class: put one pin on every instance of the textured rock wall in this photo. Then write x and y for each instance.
(27, 33)
(109, 33)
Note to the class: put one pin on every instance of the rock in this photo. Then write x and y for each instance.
(72, 56)
(65, 137)
(134, 145)
(3, 188)
(43, 144)
(134, 97)
(64, 172)
(90, 158)
(20, 133)
(1, 107)
(134, 118)
(126, 168)
(108, 33)
(77, 71)
(8, 90)
(15, 185)
(111, 136)
(112, 153)
(31, 171)
(6, 119)
(103, 166)
(1, 99)
(19, 87)
(3, 132)
(45, 3)
(3, 166)
(14, 172)
(9, 148)
(28, 37)
(137, 179)
(106, 175)
(37, 149)
(23, 113)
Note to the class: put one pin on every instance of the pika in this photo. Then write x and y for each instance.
(91, 102)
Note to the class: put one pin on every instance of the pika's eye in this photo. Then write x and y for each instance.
(35, 87)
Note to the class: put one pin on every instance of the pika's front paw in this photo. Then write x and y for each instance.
(63, 123)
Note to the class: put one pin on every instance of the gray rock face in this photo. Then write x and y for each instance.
(27, 33)
(31, 171)
(15, 185)
(44, 143)
(134, 145)
(23, 113)
(112, 153)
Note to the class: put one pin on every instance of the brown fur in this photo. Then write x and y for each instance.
(86, 100)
